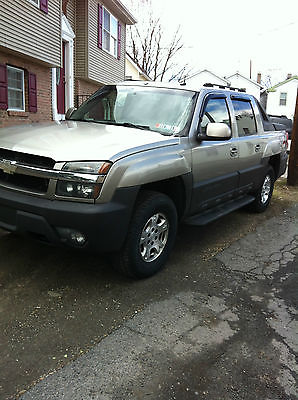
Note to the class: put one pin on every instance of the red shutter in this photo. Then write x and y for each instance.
(119, 41)
(99, 26)
(32, 92)
(43, 5)
(3, 87)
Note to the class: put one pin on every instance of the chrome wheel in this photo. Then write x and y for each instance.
(154, 237)
(266, 188)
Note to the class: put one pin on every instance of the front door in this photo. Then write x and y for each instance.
(61, 84)
(215, 163)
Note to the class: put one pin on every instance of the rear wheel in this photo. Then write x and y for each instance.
(264, 193)
(150, 238)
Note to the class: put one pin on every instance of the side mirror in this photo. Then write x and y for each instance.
(69, 112)
(218, 130)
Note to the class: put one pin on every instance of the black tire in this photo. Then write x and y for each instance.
(155, 217)
(264, 193)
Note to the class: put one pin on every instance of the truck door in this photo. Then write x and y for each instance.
(214, 162)
(250, 143)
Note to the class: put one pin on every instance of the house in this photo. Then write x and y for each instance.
(206, 76)
(55, 52)
(240, 81)
(281, 98)
(133, 71)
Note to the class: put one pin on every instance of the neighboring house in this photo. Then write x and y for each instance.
(30, 44)
(252, 87)
(50, 60)
(133, 71)
(206, 76)
(281, 98)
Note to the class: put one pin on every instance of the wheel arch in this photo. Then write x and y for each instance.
(178, 189)
(274, 162)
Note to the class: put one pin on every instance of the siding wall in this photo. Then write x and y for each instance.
(71, 13)
(273, 99)
(81, 39)
(28, 30)
(102, 66)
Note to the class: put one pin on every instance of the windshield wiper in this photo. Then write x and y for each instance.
(130, 125)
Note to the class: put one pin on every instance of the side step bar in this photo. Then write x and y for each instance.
(219, 211)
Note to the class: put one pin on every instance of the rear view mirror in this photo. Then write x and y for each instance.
(69, 112)
(218, 130)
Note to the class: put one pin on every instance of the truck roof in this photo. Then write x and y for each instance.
(182, 86)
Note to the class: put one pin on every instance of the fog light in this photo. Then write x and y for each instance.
(78, 238)
(71, 236)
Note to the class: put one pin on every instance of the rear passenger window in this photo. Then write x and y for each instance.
(245, 117)
(216, 110)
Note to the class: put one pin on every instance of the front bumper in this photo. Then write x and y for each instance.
(103, 225)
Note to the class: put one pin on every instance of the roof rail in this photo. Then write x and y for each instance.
(224, 87)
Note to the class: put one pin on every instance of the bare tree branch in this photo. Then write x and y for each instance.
(149, 46)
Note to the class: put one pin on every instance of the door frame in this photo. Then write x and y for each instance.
(67, 36)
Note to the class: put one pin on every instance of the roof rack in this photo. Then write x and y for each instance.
(224, 87)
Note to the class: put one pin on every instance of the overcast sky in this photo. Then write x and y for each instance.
(224, 35)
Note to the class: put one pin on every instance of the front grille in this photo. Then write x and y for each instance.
(27, 159)
(21, 181)
(24, 182)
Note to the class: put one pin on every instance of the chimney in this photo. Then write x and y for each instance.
(289, 76)
(259, 77)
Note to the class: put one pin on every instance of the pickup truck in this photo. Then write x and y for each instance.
(134, 160)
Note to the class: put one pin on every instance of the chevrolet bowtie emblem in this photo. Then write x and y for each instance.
(7, 166)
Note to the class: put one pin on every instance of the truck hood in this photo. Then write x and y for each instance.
(74, 141)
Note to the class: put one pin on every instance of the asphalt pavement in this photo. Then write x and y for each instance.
(220, 322)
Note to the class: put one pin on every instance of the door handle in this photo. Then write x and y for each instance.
(233, 151)
(257, 148)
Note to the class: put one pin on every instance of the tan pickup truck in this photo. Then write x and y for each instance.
(135, 159)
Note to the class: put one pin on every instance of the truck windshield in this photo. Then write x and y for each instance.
(166, 111)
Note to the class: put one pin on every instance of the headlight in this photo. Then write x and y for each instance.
(80, 190)
(88, 167)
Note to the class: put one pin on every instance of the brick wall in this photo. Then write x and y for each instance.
(44, 102)
(83, 89)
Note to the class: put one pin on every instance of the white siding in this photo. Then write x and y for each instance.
(251, 88)
(205, 77)
(27, 30)
(273, 106)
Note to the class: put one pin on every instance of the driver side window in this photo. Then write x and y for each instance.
(216, 110)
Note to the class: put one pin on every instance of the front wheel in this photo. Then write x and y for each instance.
(150, 238)
(264, 193)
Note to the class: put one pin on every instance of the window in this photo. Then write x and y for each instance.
(110, 33)
(216, 110)
(245, 117)
(36, 2)
(15, 86)
(283, 99)
(166, 111)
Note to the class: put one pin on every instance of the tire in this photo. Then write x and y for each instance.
(264, 193)
(150, 238)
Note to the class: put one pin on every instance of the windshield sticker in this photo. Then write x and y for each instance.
(166, 127)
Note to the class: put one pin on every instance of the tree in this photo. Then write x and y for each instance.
(293, 160)
(151, 49)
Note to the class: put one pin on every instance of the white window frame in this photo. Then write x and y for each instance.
(35, 3)
(283, 98)
(111, 36)
(23, 88)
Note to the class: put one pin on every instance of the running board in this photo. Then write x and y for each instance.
(219, 211)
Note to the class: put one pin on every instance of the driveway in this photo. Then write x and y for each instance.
(220, 322)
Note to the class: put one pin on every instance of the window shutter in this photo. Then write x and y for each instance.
(32, 92)
(3, 87)
(119, 41)
(43, 5)
(99, 26)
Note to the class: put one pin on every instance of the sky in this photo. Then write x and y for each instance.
(224, 35)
